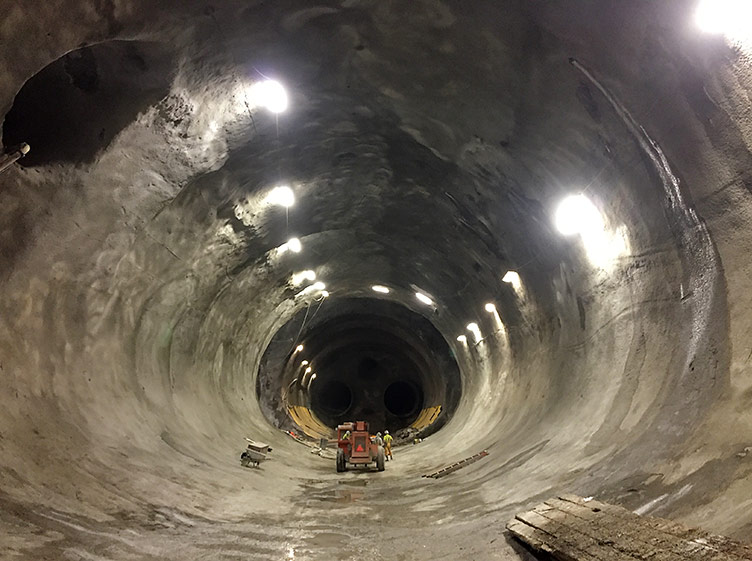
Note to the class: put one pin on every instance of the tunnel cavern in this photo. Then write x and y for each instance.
(514, 226)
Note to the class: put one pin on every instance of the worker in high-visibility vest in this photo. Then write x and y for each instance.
(388, 445)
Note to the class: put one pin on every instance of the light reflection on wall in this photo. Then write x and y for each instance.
(728, 17)
(577, 215)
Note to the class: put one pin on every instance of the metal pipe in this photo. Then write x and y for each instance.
(7, 160)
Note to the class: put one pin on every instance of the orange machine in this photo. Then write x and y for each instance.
(355, 446)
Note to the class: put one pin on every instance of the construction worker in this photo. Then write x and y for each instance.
(378, 440)
(388, 445)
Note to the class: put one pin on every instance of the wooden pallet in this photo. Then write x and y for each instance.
(571, 528)
(457, 465)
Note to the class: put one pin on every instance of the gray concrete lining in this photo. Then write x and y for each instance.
(428, 144)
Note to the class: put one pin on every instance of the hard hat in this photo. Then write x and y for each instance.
(378, 434)
(386, 432)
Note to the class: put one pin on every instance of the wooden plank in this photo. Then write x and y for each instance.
(573, 529)
(566, 538)
(446, 470)
(701, 539)
(532, 536)
(623, 548)
(669, 526)
(624, 529)
(623, 534)
(539, 541)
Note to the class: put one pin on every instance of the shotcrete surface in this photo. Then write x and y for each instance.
(428, 144)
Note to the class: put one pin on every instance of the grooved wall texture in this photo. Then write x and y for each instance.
(428, 144)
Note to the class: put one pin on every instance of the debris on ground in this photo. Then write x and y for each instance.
(408, 434)
(327, 453)
(446, 470)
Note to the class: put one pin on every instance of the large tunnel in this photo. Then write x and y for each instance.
(520, 226)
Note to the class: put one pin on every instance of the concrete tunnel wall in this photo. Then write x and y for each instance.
(428, 145)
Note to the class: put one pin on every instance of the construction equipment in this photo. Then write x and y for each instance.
(254, 454)
(356, 447)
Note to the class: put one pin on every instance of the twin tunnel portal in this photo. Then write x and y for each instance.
(389, 367)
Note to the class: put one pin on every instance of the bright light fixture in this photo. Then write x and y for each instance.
(298, 348)
(325, 294)
(281, 196)
(294, 245)
(730, 17)
(423, 298)
(462, 339)
(308, 370)
(379, 288)
(269, 94)
(304, 363)
(511, 277)
(576, 214)
(491, 309)
(298, 278)
(475, 330)
(312, 379)
(317, 286)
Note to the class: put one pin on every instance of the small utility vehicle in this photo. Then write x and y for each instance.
(355, 447)
(254, 454)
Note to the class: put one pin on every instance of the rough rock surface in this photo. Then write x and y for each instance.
(428, 144)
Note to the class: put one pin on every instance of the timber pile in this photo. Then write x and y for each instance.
(571, 528)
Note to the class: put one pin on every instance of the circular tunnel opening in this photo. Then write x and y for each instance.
(335, 398)
(356, 369)
(402, 399)
(374, 361)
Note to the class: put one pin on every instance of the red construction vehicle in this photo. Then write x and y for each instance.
(354, 446)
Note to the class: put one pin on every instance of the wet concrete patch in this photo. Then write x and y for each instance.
(354, 482)
(346, 496)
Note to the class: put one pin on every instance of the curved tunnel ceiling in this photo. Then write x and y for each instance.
(146, 282)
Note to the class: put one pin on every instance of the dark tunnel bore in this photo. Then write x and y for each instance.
(402, 399)
(334, 398)
(369, 360)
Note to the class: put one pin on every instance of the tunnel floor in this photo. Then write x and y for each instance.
(362, 513)
(295, 506)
